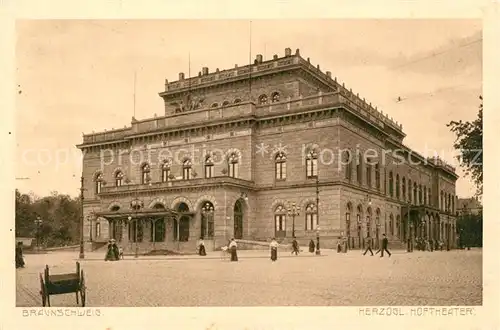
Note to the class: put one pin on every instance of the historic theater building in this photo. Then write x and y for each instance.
(248, 152)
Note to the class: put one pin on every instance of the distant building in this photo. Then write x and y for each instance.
(27, 241)
(236, 147)
(467, 206)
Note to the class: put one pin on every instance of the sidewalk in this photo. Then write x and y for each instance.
(242, 254)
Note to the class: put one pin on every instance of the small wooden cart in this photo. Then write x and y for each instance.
(62, 284)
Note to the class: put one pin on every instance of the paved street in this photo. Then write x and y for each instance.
(420, 278)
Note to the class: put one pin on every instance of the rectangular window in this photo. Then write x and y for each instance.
(209, 171)
(311, 167)
(311, 221)
(280, 171)
(280, 222)
(233, 170)
(165, 174)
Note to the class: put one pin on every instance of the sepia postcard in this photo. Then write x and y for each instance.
(330, 168)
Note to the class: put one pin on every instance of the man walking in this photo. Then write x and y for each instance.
(385, 244)
(368, 245)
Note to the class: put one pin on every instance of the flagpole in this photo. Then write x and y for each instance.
(135, 79)
(250, 63)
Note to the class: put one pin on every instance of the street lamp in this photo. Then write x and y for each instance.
(409, 247)
(318, 251)
(82, 252)
(38, 222)
(136, 204)
(359, 230)
(292, 211)
(207, 212)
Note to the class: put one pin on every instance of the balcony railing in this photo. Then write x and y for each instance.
(220, 180)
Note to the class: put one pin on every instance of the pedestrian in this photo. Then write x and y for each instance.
(339, 245)
(201, 247)
(19, 255)
(368, 241)
(431, 244)
(312, 246)
(385, 245)
(233, 247)
(116, 251)
(110, 254)
(120, 252)
(274, 249)
(295, 247)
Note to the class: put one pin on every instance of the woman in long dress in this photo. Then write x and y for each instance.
(274, 249)
(312, 246)
(201, 247)
(110, 253)
(233, 247)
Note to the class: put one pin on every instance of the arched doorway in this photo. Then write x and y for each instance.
(238, 220)
(181, 225)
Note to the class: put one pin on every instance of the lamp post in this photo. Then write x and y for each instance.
(378, 234)
(207, 212)
(359, 231)
(318, 250)
(38, 222)
(409, 247)
(82, 252)
(292, 211)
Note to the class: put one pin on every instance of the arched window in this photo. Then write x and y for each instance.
(225, 103)
(275, 97)
(263, 99)
(145, 169)
(312, 164)
(280, 167)
(359, 169)
(348, 220)
(391, 225)
(346, 158)
(232, 163)
(311, 217)
(186, 169)
(415, 194)
(397, 186)
(403, 188)
(398, 226)
(410, 197)
(280, 221)
(377, 176)
(425, 195)
(420, 194)
(391, 184)
(214, 105)
(368, 168)
(368, 222)
(237, 101)
(207, 220)
(98, 182)
(209, 167)
(165, 171)
(118, 178)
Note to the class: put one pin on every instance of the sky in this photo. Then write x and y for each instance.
(77, 76)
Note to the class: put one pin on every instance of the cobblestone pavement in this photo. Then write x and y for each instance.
(419, 278)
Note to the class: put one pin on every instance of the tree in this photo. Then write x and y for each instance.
(60, 215)
(469, 142)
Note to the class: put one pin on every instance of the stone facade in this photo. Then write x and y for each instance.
(275, 133)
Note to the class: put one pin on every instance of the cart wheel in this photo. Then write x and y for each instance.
(82, 288)
(43, 291)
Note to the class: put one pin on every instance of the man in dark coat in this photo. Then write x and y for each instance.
(295, 247)
(368, 245)
(385, 245)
